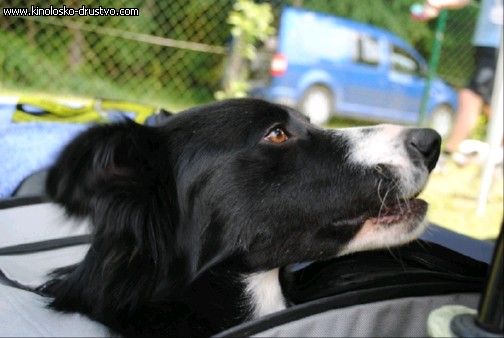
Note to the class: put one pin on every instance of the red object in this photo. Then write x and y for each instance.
(419, 17)
(278, 65)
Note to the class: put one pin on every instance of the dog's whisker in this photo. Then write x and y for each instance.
(378, 190)
(383, 204)
(398, 199)
(423, 244)
(398, 258)
(406, 202)
(382, 199)
(379, 197)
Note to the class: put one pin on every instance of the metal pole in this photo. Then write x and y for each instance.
(488, 321)
(433, 62)
(490, 309)
(494, 135)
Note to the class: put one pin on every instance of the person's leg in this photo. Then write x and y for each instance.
(473, 97)
(470, 105)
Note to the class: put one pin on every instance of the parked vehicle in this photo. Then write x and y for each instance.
(326, 65)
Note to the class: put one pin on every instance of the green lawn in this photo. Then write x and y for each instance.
(453, 197)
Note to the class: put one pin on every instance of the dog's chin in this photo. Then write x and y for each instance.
(391, 226)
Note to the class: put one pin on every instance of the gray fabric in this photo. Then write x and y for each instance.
(34, 223)
(23, 314)
(32, 270)
(33, 185)
(405, 317)
(37, 222)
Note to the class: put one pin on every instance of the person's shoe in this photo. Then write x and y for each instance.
(462, 159)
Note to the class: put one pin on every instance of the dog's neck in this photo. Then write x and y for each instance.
(264, 292)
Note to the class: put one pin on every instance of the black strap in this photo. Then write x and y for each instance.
(50, 244)
(33, 247)
(22, 201)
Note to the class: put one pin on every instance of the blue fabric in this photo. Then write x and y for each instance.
(487, 32)
(468, 246)
(26, 148)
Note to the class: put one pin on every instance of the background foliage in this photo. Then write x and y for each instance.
(251, 25)
(175, 52)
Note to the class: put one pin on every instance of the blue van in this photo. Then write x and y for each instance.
(326, 65)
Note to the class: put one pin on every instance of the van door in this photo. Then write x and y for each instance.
(367, 93)
(407, 83)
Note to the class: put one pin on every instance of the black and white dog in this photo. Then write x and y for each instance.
(194, 218)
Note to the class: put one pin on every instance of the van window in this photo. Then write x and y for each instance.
(401, 61)
(368, 50)
(324, 40)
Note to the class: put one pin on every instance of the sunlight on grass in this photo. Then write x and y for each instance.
(453, 199)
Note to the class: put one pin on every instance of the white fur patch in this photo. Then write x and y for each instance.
(381, 144)
(264, 292)
(385, 144)
(371, 237)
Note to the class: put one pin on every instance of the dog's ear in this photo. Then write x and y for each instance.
(109, 164)
(120, 177)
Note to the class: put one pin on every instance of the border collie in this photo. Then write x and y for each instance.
(193, 219)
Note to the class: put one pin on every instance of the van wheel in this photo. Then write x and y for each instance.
(317, 104)
(442, 119)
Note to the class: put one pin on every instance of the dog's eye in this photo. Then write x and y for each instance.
(277, 135)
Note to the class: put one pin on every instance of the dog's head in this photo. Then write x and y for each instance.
(243, 177)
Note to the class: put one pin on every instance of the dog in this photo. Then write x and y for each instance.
(193, 218)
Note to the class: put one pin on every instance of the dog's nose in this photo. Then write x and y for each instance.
(424, 144)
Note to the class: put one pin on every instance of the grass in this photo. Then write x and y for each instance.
(453, 197)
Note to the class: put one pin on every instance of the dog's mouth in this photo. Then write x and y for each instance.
(405, 211)
(391, 225)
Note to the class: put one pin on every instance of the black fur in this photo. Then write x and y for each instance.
(182, 211)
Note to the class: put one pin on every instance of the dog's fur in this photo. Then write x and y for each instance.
(192, 219)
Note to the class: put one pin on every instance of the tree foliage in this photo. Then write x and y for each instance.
(251, 23)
